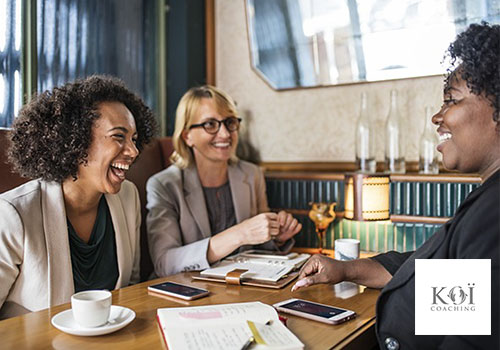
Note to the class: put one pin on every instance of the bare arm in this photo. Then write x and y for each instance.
(258, 229)
(321, 269)
(367, 272)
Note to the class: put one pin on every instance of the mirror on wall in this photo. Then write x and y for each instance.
(307, 43)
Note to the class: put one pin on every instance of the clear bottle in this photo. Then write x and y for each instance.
(365, 139)
(394, 142)
(428, 159)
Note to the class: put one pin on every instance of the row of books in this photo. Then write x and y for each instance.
(417, 198)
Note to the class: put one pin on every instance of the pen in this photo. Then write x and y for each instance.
(251, 340)
(248, 344)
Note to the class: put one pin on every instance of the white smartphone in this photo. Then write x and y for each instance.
(315, 311)
(178, 290)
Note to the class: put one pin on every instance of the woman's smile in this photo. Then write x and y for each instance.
(444, 136)
(221, 144)
(119, 170)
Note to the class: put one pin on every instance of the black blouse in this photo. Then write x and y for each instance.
(95, 264)
(220, 207)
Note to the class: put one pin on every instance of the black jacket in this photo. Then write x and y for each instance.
(473, 233)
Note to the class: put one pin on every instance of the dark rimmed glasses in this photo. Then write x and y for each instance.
(212, 126)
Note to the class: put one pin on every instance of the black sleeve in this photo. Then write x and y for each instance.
(392, 260)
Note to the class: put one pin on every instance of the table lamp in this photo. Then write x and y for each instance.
(366, 197)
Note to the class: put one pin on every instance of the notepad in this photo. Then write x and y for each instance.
(259, 269)
(226, 326)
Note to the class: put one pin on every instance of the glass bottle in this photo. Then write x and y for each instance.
(428, 159)
(365, 139)
(394, 142)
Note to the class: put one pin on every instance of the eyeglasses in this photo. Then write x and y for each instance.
(212, 126)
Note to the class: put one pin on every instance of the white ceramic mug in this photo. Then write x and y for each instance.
(91, 308)
(346, 249)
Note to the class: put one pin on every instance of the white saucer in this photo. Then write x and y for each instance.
(119, 317)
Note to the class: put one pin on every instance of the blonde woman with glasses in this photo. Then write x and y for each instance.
(209, 204)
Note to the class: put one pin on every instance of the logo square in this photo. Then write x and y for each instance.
(452, 296)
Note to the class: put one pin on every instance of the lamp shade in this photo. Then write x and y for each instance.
(366, 197)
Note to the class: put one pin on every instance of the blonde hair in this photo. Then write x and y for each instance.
(185, 113)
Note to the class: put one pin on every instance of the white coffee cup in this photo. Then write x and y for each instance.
(346, 249)
(91, 308)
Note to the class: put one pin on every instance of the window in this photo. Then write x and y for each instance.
(10, 60)
(77, 38)
(305, 43)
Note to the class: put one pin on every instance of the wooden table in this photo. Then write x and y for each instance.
(34, 330)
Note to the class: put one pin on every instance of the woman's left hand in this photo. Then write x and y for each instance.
(289, 227)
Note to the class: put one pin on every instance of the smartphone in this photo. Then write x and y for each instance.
(178, 290)
(315, 311)
(268, 254)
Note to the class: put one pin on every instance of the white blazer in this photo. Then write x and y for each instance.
(35, 261)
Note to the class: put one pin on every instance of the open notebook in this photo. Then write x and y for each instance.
(226, 326)
(259, 269)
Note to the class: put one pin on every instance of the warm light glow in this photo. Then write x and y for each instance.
(349, 199)
(374, 198)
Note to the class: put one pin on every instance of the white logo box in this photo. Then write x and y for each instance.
(452, 297)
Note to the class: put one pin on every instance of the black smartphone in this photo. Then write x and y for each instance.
(178, 290)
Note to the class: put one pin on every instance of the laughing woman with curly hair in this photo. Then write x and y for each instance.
(76, 227)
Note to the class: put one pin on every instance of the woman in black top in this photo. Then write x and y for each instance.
(469, 132)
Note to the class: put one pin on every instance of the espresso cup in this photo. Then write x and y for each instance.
(91, 308)
(346, 249)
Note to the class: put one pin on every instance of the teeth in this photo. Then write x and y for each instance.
(444, 137)
(120, 166)
(221, 144)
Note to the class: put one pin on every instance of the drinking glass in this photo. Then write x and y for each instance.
(322, 214)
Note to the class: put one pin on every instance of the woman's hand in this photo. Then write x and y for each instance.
(320, 269)
(259, 229)
(289, 227)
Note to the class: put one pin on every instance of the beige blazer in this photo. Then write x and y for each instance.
(35, 261)
(178, 223)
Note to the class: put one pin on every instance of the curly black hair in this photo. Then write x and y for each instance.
(475, 55)
(52, 134)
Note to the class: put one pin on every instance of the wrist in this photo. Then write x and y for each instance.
(348, 271)
(278, 241)
(239, 235)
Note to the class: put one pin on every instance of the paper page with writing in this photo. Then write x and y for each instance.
(273, 336)
(218, 326)
(263, 269)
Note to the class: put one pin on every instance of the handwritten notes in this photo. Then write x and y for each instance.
(224, 326)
